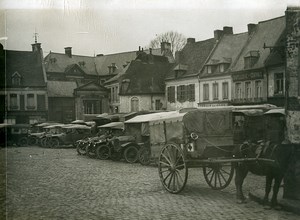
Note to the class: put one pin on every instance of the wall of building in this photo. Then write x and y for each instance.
(251, 77)
(114, 98)
(146, 102)
(179, 105)
(275, 99)
(210, 82)
(61, 109)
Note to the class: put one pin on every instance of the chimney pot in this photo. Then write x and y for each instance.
(227, 30)
(150, 50)
(36, 47)
(139, 48)
(251, 28)
(218, 34)
(68, 51)
(190, 40)
(100, 55)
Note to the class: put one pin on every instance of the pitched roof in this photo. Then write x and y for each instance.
(27, 64)
(267, 32)
(144, 77)
(194, 55)
(59, 62)
(227, 50)
(61, 88)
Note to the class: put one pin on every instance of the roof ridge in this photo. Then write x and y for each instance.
(271, 19)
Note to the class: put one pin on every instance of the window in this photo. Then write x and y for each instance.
(134, 104)
(278, 78)
(22, 102)
(171, 94)
(41, 102)
(112, 94)
(215, 91)
(258, 87)
(117, 94)
(13, 101)
(158, 104)
(91, 107)
(181, 93)
(191, 92)
(209, 69)
(205, 92)
(238, 90)
(225, 90)
(16, 79)
(30, 101)
(248, 90)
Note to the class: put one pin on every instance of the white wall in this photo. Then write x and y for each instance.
(211, 81)
(271, 73)
(146, 102)
(187, 104)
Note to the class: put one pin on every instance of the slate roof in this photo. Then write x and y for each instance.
(144, 77)
(61, 88)
(227, 51)
(59, 62)
(27, 64)
(194, 55)
(277, 55)
(267, 32)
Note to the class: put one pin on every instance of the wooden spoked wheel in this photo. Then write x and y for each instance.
(218, 175)
(172, 168)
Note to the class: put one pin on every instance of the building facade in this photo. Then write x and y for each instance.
(23, 91)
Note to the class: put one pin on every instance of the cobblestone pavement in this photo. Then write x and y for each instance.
(59, 184)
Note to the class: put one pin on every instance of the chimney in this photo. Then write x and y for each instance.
(100, 55)
(227, 30)
(218, 34)
(178, 56)
(190, 40)
(36, 47)
(251, 28)
(68, 51)
(150, 50)
(164, 47)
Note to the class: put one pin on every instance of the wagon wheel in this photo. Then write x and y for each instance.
(218, 175)
(131, 154)
(43, 142)
(53, 142)
(32, 141)
(23, 142)
(103, 152)
(145, 156)
(172, 168)
(81, 148)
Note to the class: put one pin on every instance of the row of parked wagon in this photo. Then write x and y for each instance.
(174, 140)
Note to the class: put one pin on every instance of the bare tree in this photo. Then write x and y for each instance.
(176, 39)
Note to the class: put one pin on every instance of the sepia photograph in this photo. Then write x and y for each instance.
(150, 109)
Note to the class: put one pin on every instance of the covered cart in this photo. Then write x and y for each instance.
(209, 137)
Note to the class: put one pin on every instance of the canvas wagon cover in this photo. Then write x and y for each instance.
(209, 123)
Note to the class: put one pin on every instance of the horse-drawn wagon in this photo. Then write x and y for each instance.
(210, 139)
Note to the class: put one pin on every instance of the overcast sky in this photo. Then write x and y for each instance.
(111, 26)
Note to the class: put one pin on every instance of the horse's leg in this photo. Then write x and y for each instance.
(240, 174)
(269, 179)
(276, 186)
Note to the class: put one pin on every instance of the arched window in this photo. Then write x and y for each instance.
(16, 79)
(134, 104)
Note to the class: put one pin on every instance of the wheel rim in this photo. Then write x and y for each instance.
(103, 152)
(32, 141)
(131, 154)
(218, 176)
(172, 168)
(144, 156)
(90, 151)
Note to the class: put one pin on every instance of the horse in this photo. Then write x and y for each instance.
(279, 153)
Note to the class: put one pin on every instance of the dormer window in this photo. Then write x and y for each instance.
(16, 79)
(112, 68)
(211, 68)
(81, 63)
(223, 67)
(251, 59)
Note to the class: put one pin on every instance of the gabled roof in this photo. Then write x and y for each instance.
(226, 51)
(59, 62)
(61, 88)
(91, 86)
(144, 77)
(27, 64)
(267, 32)
(194, 55)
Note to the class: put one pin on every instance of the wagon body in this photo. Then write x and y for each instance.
(209, 137)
